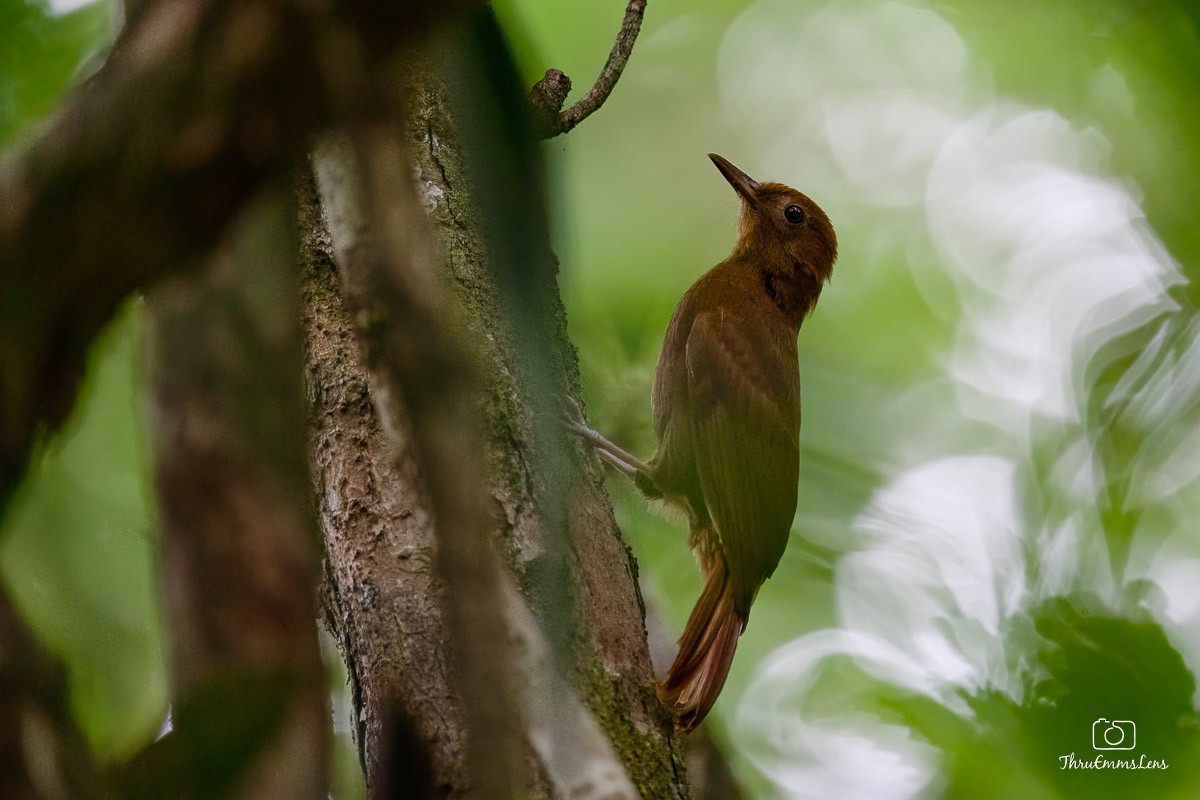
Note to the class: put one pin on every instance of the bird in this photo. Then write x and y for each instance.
(726, 410)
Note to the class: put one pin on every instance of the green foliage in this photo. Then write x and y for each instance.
(1091, 663)
(78, 547)
(41, 55)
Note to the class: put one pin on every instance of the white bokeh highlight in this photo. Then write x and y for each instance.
(1050, 261)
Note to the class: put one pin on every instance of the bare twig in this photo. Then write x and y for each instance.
(551, 91)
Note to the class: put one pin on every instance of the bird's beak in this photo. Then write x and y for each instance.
(746, 186)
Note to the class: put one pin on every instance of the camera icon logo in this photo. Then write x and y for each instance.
(1117, 734)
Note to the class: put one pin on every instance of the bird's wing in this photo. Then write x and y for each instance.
(744, 389)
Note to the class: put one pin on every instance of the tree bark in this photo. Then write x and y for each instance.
(475, 579)
(383, 598)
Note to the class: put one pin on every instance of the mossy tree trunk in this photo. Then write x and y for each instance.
(383, 593)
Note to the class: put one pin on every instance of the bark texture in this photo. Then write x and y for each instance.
(380, 590)
(612, 669)
(137, 179)
(383, 599)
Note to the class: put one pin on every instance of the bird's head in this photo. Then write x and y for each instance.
(780, 224)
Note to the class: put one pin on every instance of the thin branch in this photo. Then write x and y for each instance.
(551, 91)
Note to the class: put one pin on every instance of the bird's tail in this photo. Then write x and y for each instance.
(698, 673)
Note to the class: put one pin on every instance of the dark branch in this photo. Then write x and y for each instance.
(551, 92)
(143, 169)
(237, 539)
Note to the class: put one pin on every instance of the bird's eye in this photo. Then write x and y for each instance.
(794, 214)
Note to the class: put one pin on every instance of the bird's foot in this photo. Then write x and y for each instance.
(624, 461)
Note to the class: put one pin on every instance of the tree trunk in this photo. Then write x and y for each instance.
(383, 599)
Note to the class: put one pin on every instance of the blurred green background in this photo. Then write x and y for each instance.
(995, 546)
